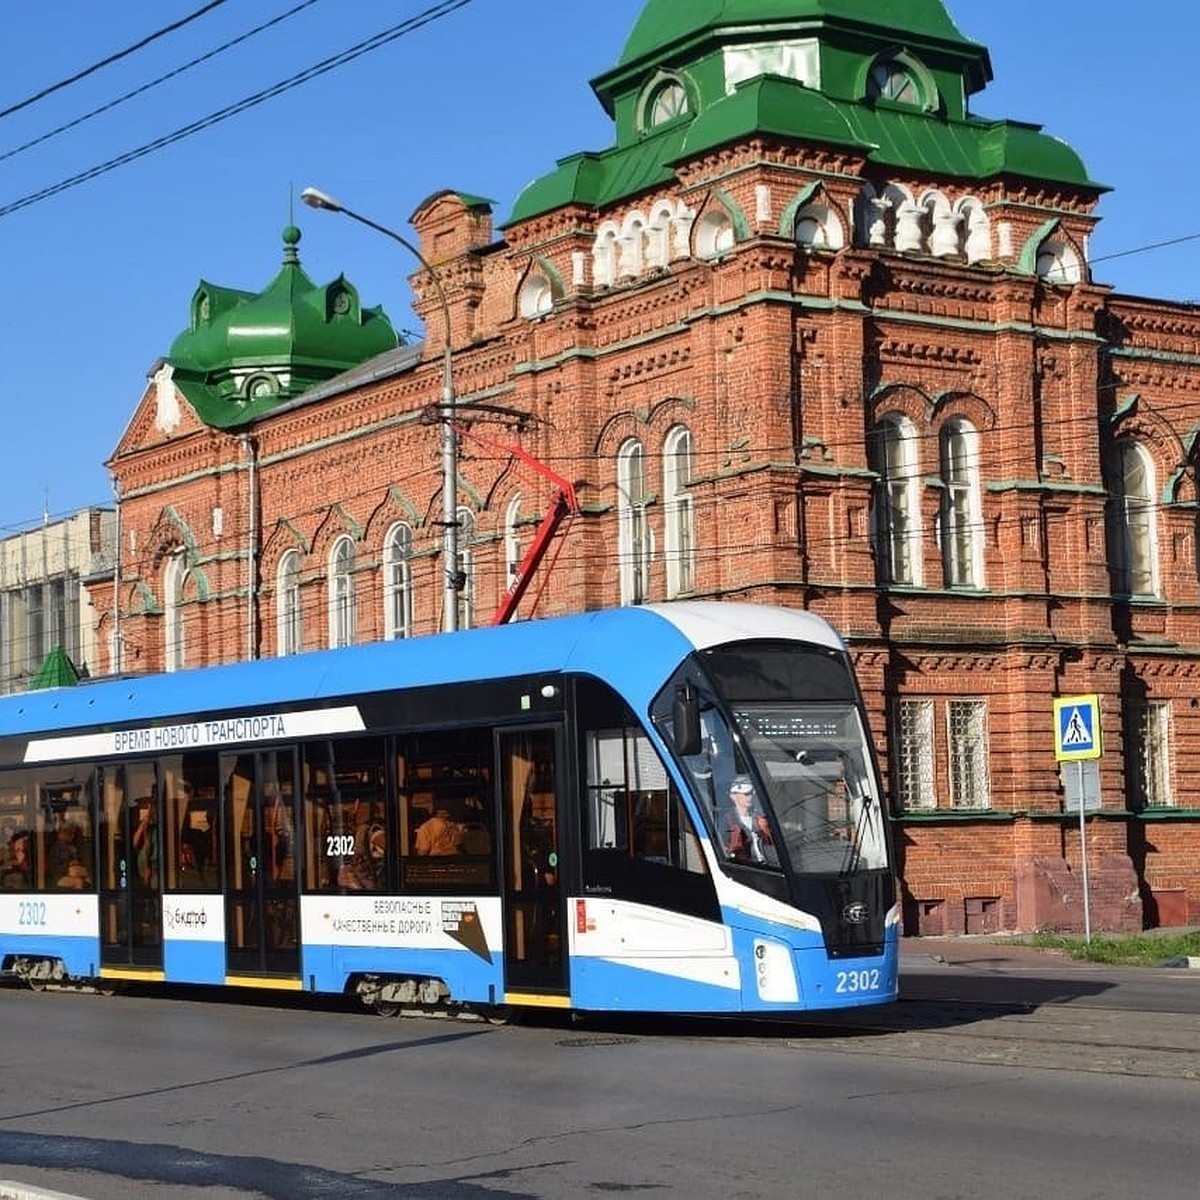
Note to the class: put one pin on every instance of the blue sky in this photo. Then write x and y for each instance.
(96, 280)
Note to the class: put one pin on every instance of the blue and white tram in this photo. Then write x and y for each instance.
(672, 808)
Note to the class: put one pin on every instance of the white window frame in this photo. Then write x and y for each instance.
(962, 518)
(1149, 724)
(512, 540)
(634, 530)
(1137, 533)
(397, 583)
(289, 617)
(914, 781)
(680, 526)
(343, 607)
(175, 577)
(967, 754)
(898, 502)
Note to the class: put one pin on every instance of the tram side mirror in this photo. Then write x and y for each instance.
(686, 720)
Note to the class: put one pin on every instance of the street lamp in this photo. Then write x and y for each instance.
(318, 199)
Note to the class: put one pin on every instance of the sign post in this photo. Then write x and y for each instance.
(1077, 739)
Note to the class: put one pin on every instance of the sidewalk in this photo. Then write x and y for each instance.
(996, 951)
(983, 950)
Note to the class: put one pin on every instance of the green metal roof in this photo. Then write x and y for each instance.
(936, 137)
(245, 353)
(665, 23)
(57, 670)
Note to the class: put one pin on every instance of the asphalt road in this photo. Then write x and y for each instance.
(993, 1077)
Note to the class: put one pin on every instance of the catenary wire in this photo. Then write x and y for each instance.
(427, 17)
(112, 58)
(161, 79)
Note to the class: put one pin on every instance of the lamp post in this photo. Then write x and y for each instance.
(318, 199)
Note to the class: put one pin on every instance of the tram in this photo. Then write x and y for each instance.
(669, 808)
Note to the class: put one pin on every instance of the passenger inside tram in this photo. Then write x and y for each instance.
(17, 873)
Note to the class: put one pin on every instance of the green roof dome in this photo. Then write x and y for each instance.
(664, 23)
(245, 353)
(887, 80)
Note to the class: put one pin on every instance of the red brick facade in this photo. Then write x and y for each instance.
(780, 359)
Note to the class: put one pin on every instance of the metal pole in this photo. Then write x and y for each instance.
(248, 449)
(1087, 908)
(116, 646)
(315, 198)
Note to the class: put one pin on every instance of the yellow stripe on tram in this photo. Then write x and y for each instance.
(134, 974)
(537, 1000)
(255, 981)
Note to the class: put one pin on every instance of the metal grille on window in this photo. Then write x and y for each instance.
(1150, 727)
(914, 755)
(967, 720)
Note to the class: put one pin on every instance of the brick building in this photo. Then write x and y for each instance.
(807, 333)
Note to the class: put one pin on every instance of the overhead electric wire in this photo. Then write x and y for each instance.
(153, 83)
(436, 12)
(112, 58)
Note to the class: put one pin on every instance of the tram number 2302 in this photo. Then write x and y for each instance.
(850, 982)
(31, 912)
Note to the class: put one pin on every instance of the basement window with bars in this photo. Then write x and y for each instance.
(966, 722)
(1148, 734)
(913, 765)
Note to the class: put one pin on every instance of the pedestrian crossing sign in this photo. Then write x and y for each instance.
(1077, 728)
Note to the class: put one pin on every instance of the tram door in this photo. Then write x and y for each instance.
(534, 915)
(262, 900)
(130, 835)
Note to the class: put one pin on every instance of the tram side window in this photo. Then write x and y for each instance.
(190, 791)
(17, 850)
(447, 810)
(632, 807)
(346, 816)
(65, 799)
(47, 840)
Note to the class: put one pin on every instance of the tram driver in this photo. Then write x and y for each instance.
(747, 832)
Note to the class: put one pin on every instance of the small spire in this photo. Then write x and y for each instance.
(291, 239)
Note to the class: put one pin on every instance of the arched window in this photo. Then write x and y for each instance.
(1135, 533)
(962, 521)
(714, 234)
(897, 501)
(289, 621)
(512, 541)
(819, 228)
(890, 80)
(668, 101)
(397, 583)
(677, 500)
(466, 565)
(536, 297)
(1058, 263)
(634, 536)
(174, 581)
(342, 608)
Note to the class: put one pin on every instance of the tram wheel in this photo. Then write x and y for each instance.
(386, 1008)
(500, 1014)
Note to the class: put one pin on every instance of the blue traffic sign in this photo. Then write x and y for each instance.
(1077, 728)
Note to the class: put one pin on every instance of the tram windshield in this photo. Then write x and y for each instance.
(784, 769)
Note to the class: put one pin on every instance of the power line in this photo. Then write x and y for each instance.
(112, 58)
(224, 114)
(146, 87)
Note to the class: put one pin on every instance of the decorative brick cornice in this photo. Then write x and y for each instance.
(929, 351)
